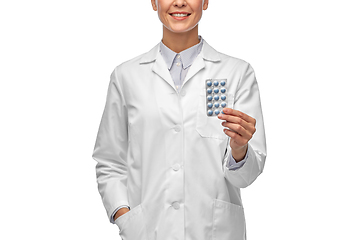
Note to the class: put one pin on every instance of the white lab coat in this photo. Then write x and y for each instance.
(159, 153)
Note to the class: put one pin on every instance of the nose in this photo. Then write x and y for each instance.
(179, 3)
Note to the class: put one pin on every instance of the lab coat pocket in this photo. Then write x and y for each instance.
(210, 127)
(228, 221)
(132, 224)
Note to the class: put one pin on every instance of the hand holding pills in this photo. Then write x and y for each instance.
(241, 129)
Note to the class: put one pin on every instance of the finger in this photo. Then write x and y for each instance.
(247, 118)
(237, 120)
(238, 129)
(241, 141)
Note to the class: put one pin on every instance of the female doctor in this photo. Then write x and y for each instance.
(166, 168)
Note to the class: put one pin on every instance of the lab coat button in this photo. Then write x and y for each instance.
(176, 205)
(178, 64)
(177, 128)
(176, 167)
(183, 93)
(178, 56)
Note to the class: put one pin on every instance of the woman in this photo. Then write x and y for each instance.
(171, 160)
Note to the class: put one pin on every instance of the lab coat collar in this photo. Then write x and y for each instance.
(159, 67)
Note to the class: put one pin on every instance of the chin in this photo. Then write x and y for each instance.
(179, 30)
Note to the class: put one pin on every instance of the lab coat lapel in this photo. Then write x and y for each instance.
(195, 67)
(207, 53)
(161, 69)
(159, 66)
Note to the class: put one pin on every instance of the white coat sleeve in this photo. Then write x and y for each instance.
(118, 208)
(247, 100)
(233, 165)
(110, 149)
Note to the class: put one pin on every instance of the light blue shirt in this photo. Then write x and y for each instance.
(178, 65)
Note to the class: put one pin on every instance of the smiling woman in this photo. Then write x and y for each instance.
(167, 164)
(179, 31)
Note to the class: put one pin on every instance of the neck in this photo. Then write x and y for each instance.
(180, 41)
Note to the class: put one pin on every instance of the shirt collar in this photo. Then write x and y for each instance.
(208, 53)
(187, 56)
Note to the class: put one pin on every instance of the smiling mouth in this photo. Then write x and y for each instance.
(179, 14)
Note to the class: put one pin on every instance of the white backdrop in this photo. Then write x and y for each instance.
(56, 59)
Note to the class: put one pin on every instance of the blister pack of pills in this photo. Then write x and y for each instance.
(216, 96)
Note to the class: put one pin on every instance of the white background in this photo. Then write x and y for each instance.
(56, 59)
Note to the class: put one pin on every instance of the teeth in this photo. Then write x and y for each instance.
(179, 15)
